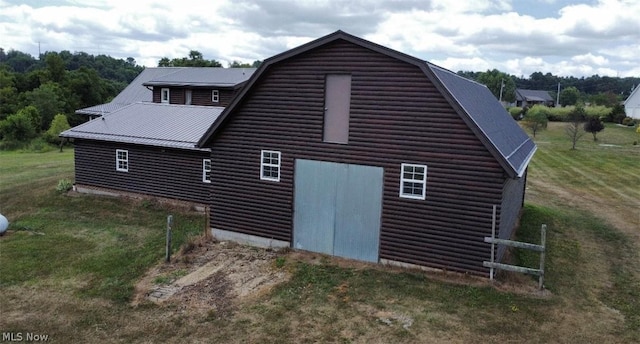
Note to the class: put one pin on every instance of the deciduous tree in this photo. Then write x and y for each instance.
(536, 119)
(593, 125)
(574, 128)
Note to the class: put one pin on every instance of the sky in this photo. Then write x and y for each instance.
(562, 37)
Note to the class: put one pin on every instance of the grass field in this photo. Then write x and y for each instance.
(69, 264)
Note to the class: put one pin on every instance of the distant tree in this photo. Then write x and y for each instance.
(494, 80)
(58, 125)
(55, 66)
(238, 64)
(536, 119)
(574, 128)
(17, 127)
(593, 125)
(48, 99)
(195, 59)
(32, 113)
(131, 61)
(9, 102)
(608, 99)
(617, 114)
(569, 96)
(256, 63)
(164, 62)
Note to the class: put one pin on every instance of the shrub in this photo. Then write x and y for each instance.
(515, 112)
(599, 111)
(64, 185)
(628, 121)
(559, 114)
(17, 127)
(38, 145)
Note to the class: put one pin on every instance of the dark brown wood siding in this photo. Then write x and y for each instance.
(153, 171)
(396, 116)
(513, 195)
(199, 96)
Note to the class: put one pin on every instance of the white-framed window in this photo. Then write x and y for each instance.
(270, 165)
(206, 170)
(413, 181)
(122, 160)
(215, 96)
(164, 95)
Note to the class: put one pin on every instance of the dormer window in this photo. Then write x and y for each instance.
(215, 96)
(164, 95)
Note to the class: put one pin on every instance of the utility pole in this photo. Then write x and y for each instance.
(501, 88)
(558, 96)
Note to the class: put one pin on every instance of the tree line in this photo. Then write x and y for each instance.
(597, 90)
(39, 96)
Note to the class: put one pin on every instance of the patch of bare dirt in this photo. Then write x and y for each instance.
(211, 276)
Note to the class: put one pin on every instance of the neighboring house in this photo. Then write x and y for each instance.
(149, 146)
(348, 148)
(532, 97)
(632, 104)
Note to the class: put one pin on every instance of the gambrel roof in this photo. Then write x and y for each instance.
(533, 95)
(133, 93)
(151, 124)
(203, 77)
(475, 104)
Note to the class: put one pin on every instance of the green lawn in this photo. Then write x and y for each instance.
(69, 264)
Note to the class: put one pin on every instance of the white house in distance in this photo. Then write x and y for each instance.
(632, 104)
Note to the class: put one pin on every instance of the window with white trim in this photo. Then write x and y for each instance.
(164, 95)
(206, 170)
(413, 181)
(122, 160)
(270, 165)
(215, 96)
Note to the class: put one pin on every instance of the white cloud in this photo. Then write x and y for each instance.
(585, 37)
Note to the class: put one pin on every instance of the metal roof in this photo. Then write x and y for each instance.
(133, 93)
(490, 118)
(153, 124)
(203, 77)
(475, 104)
(533, 95)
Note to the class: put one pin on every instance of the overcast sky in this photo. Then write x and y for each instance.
(562, 37)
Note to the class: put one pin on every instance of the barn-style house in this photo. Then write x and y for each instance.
(348, 148)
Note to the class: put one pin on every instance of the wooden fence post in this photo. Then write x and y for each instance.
(169, 225)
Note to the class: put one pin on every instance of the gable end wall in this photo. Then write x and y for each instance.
(396, 116)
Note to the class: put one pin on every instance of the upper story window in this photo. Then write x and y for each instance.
(206, 170)
(413, 181)
(270, 165)
(164, 95)
(215, 96)
(337, 104)
(122, 160)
